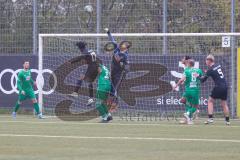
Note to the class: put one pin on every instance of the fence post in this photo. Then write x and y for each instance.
(99, 8)
(34, 30)
(164, 29)
(233, 59)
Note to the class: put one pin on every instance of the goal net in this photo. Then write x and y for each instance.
(146, 92)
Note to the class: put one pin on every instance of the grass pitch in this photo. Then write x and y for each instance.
(27, 138)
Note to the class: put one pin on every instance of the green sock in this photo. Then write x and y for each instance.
(17, 105)
(105, 108)
(36, 107)
(101, 110)
(187, 107)
(191, 111)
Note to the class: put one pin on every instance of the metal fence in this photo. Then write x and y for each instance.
(22, 20)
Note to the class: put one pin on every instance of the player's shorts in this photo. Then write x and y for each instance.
(103, 92)
(92, 72)
(116, 80)
(28, 95)
(192, 96)
(219, 93)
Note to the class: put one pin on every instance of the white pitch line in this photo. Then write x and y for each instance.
(122, 138)
(114, 124)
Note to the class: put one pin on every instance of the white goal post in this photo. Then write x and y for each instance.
(139, 35)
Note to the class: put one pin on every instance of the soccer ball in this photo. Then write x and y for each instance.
(88, 8)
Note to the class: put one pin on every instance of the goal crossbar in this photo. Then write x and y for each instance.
(140, 34)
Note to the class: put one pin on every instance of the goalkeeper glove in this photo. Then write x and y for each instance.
(107, 30)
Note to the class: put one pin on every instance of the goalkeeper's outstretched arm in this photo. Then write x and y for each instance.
(110, 37)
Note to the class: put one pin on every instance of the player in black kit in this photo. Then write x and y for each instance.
(219, 91)
(92, 70)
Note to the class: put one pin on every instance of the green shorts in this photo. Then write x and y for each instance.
(28, 95)
(192, 96)
(103, 91)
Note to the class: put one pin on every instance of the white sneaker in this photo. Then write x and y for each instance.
(74, 94)
(14, 115)
(196, 114)
(186, 116)
(183, 121)
(90, 101)
(190, 122)
(227, 123)
(40, 116)
(209, 121)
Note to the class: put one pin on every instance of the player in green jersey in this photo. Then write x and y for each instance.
(192, 89)
(25, 86)
(103, 90)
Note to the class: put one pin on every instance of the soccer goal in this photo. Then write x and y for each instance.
(155, 66)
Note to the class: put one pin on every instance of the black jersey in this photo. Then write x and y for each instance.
(215, 71)
(89, 56)
(92, 62)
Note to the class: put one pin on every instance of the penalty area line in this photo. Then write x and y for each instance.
(122, 138)
(113, 124)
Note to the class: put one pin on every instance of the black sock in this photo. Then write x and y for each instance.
(227, 119)
(210, 116)
(90, 89)
(79, 83)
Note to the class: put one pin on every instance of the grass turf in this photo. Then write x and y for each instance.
(29, 138)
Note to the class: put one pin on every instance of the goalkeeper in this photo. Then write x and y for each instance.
(192, 88)
(25, 86)
(120, 64)
(92, 70)
(103, 89)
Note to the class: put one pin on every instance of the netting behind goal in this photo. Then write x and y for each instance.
(147, 90)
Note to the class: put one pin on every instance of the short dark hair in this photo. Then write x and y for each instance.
(81, 45)
(187, 57)
(191, 62)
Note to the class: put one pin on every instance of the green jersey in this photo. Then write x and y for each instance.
(104, 77)
(25, 81)
(192, 81)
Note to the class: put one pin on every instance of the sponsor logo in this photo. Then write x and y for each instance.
(39, 81)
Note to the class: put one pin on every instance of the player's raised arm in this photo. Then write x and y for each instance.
(110, 37)
(84, 51)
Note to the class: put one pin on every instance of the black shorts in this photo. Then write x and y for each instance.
(92, 72)
(117, 78)
(219, 93)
